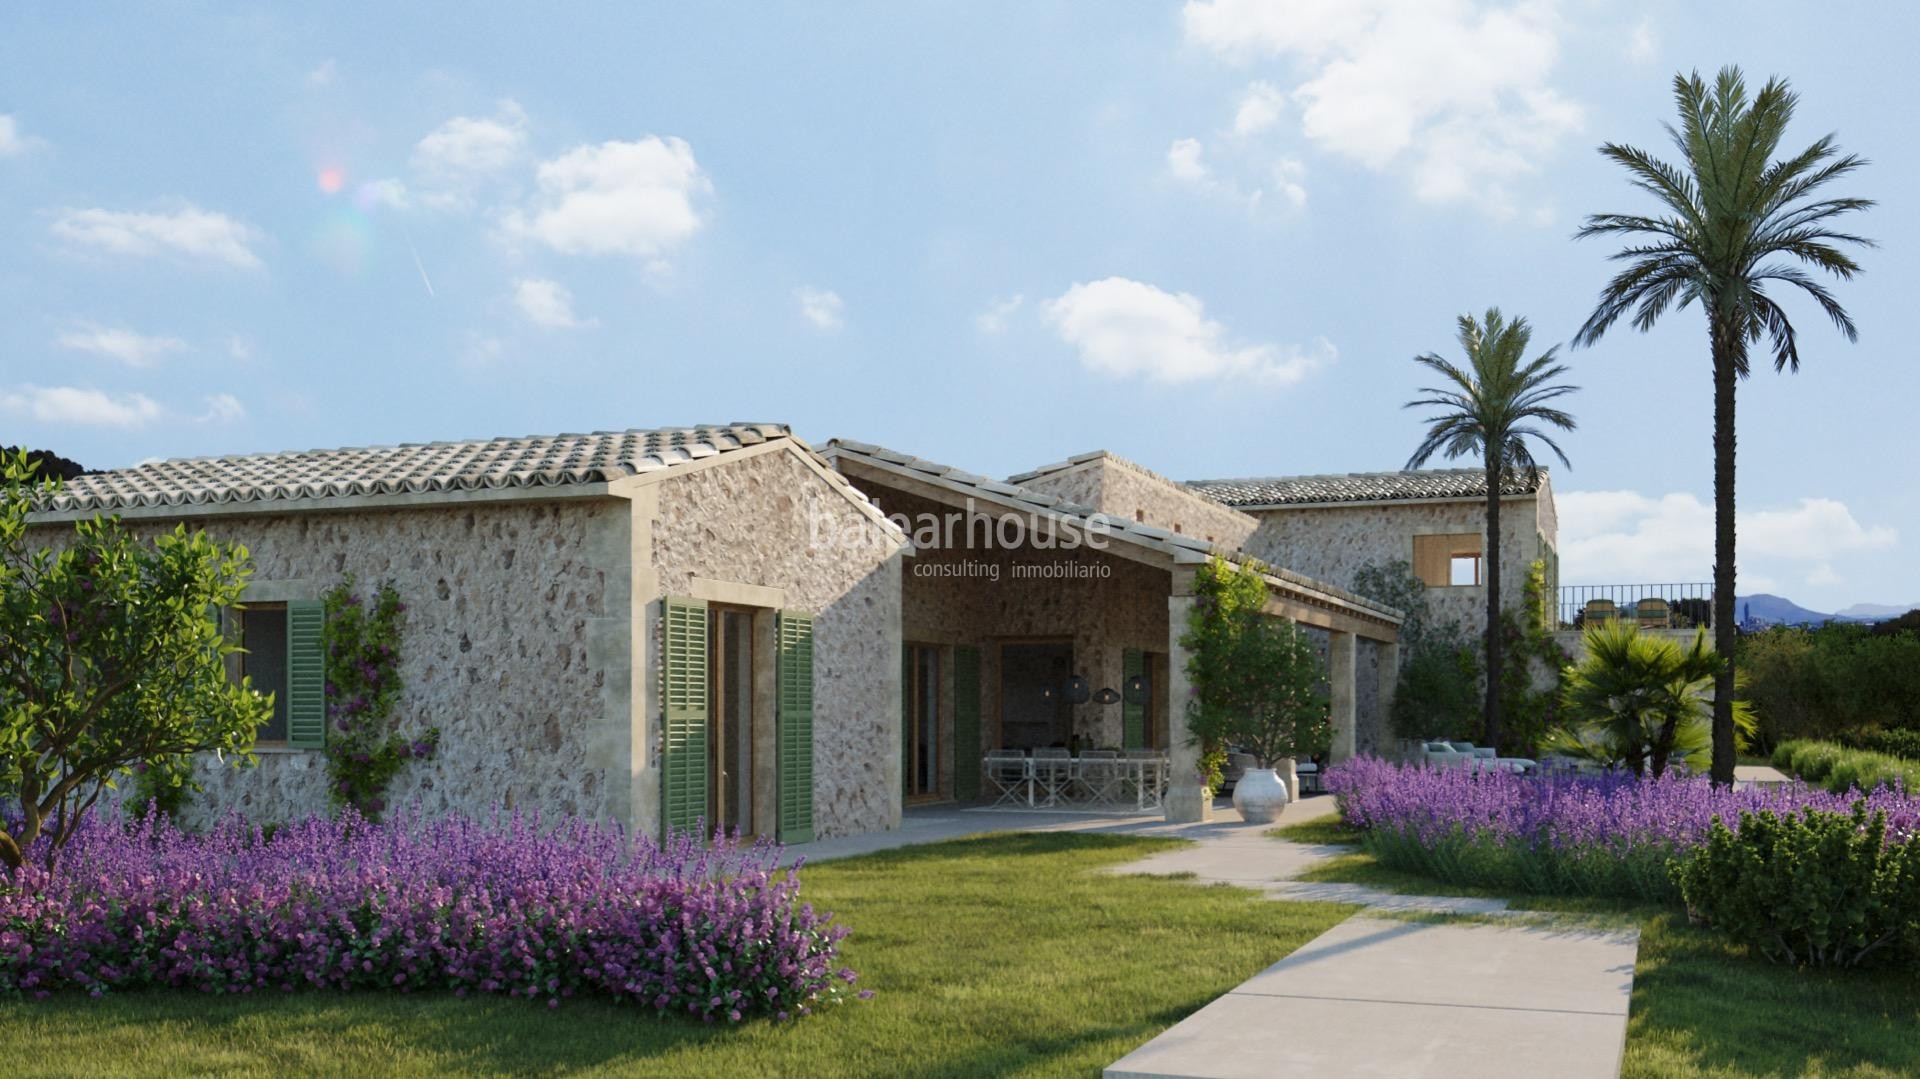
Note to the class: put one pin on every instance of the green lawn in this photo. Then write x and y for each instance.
(1005, 955)
(1704, 1007)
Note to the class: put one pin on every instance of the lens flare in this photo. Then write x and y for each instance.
(332, 179)
(343, 241)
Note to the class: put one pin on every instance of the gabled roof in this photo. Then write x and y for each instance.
(534, 461)
(1413, 485)
(1098, 455)
(1182, 548)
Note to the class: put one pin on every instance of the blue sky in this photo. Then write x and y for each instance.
(1206, 236)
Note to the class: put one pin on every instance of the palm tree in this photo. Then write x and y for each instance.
(1732, 221)
(1641, 700)
(1491, 409)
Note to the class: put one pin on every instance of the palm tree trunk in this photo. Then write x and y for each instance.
(1725, 378)
(1491, 563)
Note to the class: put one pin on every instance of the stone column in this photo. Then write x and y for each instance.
(1340, 671)
(1186, 800)
(1388, 653)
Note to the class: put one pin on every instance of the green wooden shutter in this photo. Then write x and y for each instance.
(306, 673)
(683, 757)
(1133, 714)
(966, 723)
(793, 727)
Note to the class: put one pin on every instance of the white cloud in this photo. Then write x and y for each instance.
(1185, 159)
(998, 315)
(466, 148)
(822, 307)
(188, 234)
(546, 303)
(1644, 44)
(1260, 108)
(240, 348)
(322, 75)
(1625, 536)
(73, 405)
(1287, 174)
(130, 348)
(1455, 94)
(1128, 328)
(1823, 575)
(616, 198)
(12, 141)
(223, 408)
(1283, 178)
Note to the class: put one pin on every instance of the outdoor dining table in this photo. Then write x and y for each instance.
(1049, 782)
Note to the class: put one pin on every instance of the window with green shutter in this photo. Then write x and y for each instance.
(966, 723)
(1133, 712)
(793, 727)
(683, 757)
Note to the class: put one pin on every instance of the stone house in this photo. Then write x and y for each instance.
(1076, 574)
(720, 623)
(625, 625)
(1433, 519)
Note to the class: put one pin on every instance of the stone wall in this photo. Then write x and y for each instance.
(500, 597)
(1331, 543)
(1121, 489)
(769, 521)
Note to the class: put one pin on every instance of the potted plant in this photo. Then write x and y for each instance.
(1257, 683)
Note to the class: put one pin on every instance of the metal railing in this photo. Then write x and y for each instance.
(1688, 604)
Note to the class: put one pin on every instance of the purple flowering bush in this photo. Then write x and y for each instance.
(497, 906)
(1563, 834)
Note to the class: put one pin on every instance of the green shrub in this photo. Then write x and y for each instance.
(1838, 768)
(1823, 683)
(1894, 743)
(1819, 888)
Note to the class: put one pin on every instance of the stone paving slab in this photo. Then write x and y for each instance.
(1377, 997)
(932, 824)
(1359, 895)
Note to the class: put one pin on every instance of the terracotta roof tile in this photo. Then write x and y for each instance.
(411, 468)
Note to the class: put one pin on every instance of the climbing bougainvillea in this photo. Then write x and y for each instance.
(364, 751)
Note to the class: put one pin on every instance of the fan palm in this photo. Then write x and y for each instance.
(1641, 700)
(1493, 408)
(1732, 222)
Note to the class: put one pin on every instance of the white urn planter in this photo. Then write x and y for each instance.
(1260, 795)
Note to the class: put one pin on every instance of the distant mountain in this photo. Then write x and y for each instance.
(1767, 608)
(1762, 607)
(1875, 612)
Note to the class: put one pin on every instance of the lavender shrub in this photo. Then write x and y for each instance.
(497, 906)
(1560, 833)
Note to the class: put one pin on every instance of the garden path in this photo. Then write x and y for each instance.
(1379, 996)
(1374, 996)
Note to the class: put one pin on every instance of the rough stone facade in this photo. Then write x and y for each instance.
(1332, 542)
(1119, 488)
(770, 522)
(500, 599)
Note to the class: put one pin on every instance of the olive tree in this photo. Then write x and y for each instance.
(108, 660)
